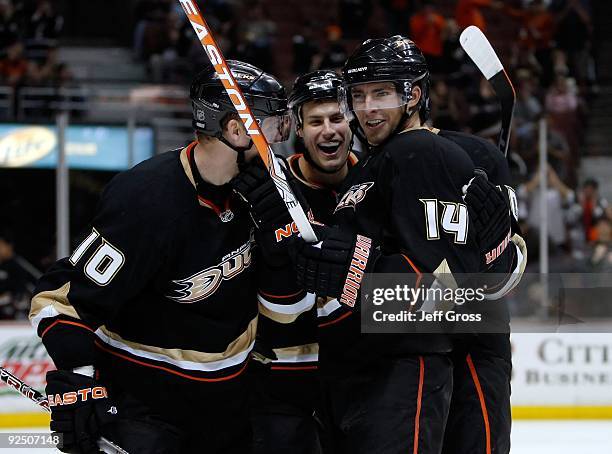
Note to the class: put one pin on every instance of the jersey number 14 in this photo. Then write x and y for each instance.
(454, 220)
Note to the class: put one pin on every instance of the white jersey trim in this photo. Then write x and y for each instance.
(328, 308)
(187, 365)
(289, 309)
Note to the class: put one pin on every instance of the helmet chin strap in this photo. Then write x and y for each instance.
(240, 160)
(405, 116)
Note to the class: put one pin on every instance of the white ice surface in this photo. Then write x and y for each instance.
(528, 437)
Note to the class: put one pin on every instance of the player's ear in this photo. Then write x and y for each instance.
(234, 132)
(416, 96)
(299, 132)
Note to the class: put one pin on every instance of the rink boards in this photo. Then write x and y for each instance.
(555, 376)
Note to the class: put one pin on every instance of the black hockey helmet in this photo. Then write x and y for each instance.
(263, 92)
(323, 84)
(396, 59)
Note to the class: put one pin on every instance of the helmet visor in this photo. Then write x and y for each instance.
(276, 128)
(371, 96)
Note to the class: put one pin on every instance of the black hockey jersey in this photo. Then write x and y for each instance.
(288, 324)
(406, 196)
(162, 282)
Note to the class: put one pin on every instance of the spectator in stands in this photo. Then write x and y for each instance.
(9, 26)
(536, 35)
(574, 34)
(601, 257)
(468, 12)
(528, 108)
(45, 24)
(594, 208)
(150, 15)
(484, 110)
(398, 14)
(558, 152)
(562, 105)
(335, 54)
(17, 279)
(14, 68)
(258, 31)
(427, 29)
(305, 48)
(453, 55)
(170, 63)
(354, 17)
(46, 72)
(559, 200)
(445, 108)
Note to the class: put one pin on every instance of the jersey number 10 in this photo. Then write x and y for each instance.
(105, 262)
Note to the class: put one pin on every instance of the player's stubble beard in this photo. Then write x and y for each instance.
(391, 119)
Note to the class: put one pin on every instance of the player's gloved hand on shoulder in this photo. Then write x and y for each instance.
(335, 265)
(80, 407)
(489, 211)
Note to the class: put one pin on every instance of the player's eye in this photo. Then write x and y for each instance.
(358, 97)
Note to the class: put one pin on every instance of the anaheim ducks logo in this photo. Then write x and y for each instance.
(204, 283)
(354, 195)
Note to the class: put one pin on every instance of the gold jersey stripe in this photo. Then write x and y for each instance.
(58, 299)
(241, 344)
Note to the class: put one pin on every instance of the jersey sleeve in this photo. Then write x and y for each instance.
(116, 259)
(280, 298)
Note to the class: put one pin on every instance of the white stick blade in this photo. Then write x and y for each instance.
(477, 46)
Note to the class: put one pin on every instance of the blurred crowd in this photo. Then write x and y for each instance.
(17, 279)
(29, 33)
(547, 47)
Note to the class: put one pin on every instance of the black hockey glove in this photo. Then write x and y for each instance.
(268, 211)
(79, 408)
(489, 210)
(334, 266)
(267, 208)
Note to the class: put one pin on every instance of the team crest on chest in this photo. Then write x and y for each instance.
(205, 283)
(354, 195)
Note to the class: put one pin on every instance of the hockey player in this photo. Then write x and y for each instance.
(391, 393)
(318, 122)
(479, 420)
(152, 319)
(287, 392)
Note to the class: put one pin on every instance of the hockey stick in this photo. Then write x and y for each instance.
(478, 47)
(38, 398)
(244, 112)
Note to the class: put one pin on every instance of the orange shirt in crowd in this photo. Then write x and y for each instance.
(13, 70)
(538, 25)
(468, 13)
(426, 31)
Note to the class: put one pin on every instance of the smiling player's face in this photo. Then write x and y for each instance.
(378, 108)
(326, 134)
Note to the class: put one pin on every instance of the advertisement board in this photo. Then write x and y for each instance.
(554, 375)
(92, 147)
(561, 375)
(22, 354)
